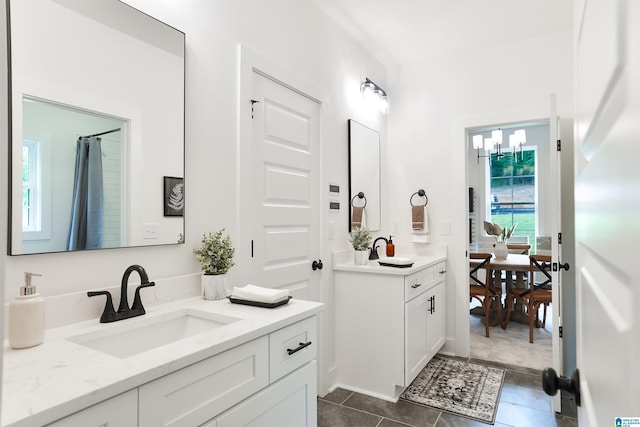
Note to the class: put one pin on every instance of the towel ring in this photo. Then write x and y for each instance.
(360, 195)
(420, 193)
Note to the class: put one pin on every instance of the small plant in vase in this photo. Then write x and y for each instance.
(361, 240)
(502, 236)
(215, 255)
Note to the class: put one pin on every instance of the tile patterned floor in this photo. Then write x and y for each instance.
(522, 404)
(522, 401)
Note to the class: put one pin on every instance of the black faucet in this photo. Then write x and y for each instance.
(124, 312)
(374, 248)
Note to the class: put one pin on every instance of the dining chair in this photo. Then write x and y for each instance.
(535, 295)
(481, 287)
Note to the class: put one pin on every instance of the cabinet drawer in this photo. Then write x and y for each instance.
(292, 347)
(199, 392)
(121, 411)
(419, 282)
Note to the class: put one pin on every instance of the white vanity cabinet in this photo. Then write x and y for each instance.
(272, 379)
(390, 323)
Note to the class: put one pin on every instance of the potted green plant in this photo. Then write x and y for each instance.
(502, 236)
(361, 240)
(215, 255)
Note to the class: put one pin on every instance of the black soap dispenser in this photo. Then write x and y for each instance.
(391, 248)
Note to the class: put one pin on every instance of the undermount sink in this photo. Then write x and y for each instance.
(135, 336)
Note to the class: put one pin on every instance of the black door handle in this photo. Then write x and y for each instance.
(559, 266)
(565, 266)
(317, 265)
(551, 383)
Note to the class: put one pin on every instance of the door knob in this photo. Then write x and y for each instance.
(551, 383)
(565, 266)
(317, 265)
(559, 266)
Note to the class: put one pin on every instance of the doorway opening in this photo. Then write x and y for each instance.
(508, 187)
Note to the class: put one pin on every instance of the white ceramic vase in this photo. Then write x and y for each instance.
(214, 286)
(500, 250)
(361, 257)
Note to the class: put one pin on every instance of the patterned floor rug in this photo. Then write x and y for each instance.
(459, 387)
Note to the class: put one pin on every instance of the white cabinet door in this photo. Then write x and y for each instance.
(288, 402)
(197, 393)
(119, 411)
(415, 343)
(435, 319)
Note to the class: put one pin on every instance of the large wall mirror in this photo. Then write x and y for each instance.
(364, 177)
(96, 127)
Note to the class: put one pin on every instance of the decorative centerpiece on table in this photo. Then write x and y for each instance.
(361, 241)
(502, 236)
(216, 258)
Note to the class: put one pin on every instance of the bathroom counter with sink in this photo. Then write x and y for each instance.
(419, 263)
(86, 363)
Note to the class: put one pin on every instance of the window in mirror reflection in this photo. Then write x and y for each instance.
(31, 183)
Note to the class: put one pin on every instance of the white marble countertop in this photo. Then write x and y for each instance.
(373, 267)
(57, 378)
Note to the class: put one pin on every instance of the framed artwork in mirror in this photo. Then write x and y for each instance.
(173, 196)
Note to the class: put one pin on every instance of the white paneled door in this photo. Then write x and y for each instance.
(283, 199)
(607, 200)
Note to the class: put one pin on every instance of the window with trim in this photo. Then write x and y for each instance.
(513, 192)
(31, 186)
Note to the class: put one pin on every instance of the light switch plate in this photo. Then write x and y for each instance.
(446, 227)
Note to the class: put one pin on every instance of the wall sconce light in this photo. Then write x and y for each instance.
(375, 94)
(516, 140)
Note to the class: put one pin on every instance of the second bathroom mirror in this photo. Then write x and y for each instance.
(364, 174)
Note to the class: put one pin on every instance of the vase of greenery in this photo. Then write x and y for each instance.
(502, 236)
(215, 255)
(361, 240)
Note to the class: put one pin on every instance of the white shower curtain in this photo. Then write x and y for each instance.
(85, 231)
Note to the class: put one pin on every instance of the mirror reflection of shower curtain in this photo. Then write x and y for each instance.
(85, 231)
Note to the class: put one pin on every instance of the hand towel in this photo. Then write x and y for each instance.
(260, 294)
(417, 217)
(357, 217)
(421, 235)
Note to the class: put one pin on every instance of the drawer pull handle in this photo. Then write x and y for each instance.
(297, 349)
(443, 271)
(417, 285)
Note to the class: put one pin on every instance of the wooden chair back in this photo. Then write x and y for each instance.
(536, 294)
(484, 265)
(539, 266)
(483, 291)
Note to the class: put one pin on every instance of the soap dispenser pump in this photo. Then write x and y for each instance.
(391, 248)
(26, 316)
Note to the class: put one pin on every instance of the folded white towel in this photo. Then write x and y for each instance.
(260, 294)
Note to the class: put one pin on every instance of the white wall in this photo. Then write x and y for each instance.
(434, 101)
(291, 33)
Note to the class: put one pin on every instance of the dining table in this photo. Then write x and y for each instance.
(514, 266)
